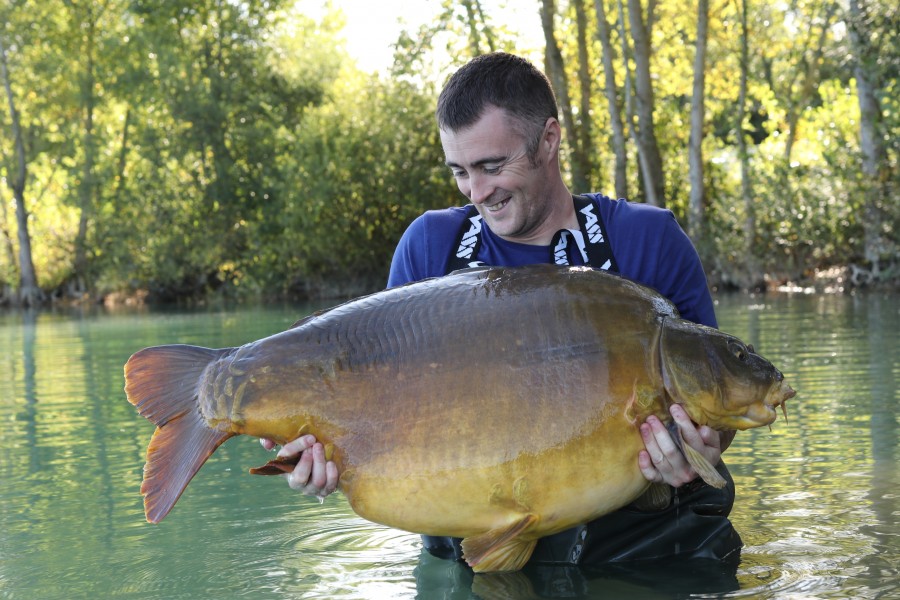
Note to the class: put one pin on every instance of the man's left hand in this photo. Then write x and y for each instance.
(662, 462)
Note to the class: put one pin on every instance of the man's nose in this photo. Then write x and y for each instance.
(479, 189)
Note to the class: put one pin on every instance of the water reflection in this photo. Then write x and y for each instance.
(817, 501)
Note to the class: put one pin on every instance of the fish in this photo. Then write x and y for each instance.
(497, 405)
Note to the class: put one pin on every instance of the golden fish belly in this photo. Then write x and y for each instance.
(564, 486)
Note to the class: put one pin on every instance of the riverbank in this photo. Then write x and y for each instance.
(831, 280)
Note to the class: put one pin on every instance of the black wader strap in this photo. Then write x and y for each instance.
(468, 242)
(590, 238)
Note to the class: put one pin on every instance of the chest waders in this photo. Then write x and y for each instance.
(694, 525)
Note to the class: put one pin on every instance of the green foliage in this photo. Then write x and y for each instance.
(235, 149)
(358, 171)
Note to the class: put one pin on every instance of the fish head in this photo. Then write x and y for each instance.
(718, 379)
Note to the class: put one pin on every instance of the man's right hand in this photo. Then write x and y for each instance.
(313, 475)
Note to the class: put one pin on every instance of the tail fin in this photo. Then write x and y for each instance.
(162, 383)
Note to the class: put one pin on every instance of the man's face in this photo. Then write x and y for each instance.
(492, 169)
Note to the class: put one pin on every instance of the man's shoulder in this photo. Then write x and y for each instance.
(426, 244)
(437, 225)
(440, 217)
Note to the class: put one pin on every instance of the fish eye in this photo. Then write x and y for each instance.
(738, 350)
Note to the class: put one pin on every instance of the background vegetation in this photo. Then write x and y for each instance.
(179, 149)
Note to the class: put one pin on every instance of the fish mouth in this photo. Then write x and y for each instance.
(779, 397)
(763, 412)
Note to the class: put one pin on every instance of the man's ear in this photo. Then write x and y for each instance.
(552, 138)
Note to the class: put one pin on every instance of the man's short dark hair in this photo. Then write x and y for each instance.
(503, 80)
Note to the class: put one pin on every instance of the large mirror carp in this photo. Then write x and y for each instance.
(498, 405)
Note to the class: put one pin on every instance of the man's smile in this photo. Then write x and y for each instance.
(498, 206)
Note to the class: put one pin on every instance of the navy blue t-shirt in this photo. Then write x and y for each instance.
(648, 244)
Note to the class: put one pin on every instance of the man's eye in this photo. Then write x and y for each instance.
(492, 170)
(458, 174)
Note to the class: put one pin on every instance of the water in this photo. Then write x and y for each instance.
(818, 497)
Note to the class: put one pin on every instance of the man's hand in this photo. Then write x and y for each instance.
(313, 475)
(662, 462)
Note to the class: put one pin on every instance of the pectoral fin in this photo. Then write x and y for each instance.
(704, 468)
(279, 466)
(501, 549)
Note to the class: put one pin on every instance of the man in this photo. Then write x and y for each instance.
(501, 136)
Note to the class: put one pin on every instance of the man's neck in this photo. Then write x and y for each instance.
(560, 215)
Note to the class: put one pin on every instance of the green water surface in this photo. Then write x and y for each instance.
(818, 500)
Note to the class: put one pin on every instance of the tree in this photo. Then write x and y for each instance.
(697, 202)
(477, 25)
(752, 276)
(584, 154)
(613, 103)
(85, 17)
(874, 155)
(808, 71)
(556, 70)
(29, 292)
(651, 158)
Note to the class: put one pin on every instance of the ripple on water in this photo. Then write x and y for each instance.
(349, 557)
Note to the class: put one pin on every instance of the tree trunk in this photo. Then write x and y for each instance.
(557, 74)
(612, 101)
(753, 276)
(9, 248)
(123, 155)
(29, 292)
(86, 188)
(643, 167)
(649, 149)
(585, 153)
(697, 200)
(875, 165)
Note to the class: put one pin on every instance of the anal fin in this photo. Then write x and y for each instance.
(657, 497)
(501, 549)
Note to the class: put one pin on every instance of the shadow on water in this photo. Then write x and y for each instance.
(449, 580)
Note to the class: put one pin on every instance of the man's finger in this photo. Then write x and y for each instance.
(688, 430)
(317, 480)
(331, 477)
(664, 441)
(299, 477)
(295, 447)
(647, 469)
